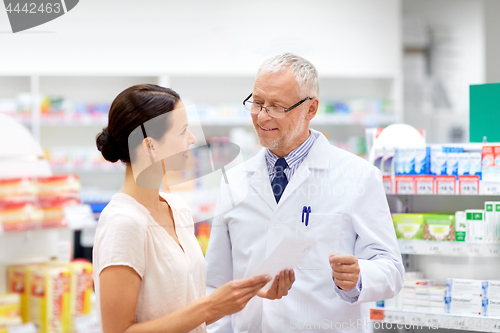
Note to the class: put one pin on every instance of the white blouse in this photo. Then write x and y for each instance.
(128, 235)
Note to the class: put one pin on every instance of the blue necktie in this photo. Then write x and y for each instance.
(279, 182)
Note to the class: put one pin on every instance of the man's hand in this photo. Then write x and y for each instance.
(345, 270)
(281, 284)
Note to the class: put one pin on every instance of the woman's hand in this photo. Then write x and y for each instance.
(234, 295)
(281, 284)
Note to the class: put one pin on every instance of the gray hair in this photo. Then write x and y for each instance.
(305, 72)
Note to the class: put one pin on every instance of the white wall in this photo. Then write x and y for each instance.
(213, 37)
(464, 19)
(492, 36)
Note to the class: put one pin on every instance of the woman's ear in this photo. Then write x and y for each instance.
(148, 146)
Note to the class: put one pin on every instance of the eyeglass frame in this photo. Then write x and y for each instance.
(286, 109)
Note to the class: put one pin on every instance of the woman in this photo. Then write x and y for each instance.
(149, 271)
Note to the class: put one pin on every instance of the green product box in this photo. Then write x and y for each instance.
(475, 225)
(409, 226)
(439, 227)
(460, 227)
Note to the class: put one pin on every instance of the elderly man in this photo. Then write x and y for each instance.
(300, 186)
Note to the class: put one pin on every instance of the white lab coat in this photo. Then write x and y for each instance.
(349, 215)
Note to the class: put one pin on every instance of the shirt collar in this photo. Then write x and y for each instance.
(296, 155)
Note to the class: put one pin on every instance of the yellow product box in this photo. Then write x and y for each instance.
(49, 298)
(17, 282)
(82, 287)
(10, 306)
(5, 323)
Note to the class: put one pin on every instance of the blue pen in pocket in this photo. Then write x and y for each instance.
(307, 211)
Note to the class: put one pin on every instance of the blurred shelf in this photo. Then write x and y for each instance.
(443, 248)
(416, 319)
(331, 120)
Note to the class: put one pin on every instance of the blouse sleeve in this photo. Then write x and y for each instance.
(120, 241)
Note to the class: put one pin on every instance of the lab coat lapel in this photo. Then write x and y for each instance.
(260, 182)
(315, 159)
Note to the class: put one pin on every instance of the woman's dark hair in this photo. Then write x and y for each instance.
(130, 109)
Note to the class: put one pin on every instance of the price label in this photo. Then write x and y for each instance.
(417, 319)
(424, 184)
(387, 180)
(494, 251)
(475, 250)
(405, 185)
(405, 188)
(457, 250)
(446, 187)
(425, 187)
(409, 248)
(469, 188)
(469, 185)
(434, 249)
(490, 188)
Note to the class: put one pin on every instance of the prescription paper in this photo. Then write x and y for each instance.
(286, 255)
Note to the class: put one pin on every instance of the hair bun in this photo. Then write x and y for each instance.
(108, 146)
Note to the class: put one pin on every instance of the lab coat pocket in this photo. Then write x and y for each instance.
(325, 230)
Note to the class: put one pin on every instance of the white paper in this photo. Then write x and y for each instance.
(26, 328)
(79, 216)
(286, 255)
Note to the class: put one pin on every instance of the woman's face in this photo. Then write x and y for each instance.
(174, 145)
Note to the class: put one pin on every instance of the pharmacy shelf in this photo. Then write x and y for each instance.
(331, 120)
(414, 319)
(443, 248)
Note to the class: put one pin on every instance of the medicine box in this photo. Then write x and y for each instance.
(489, 221)
(475, 225)
(439, 227)
(464, 288)
(460, 226)
(464, 305)
(409, 226)
(492, 308)
(496, 218)
(491, 289)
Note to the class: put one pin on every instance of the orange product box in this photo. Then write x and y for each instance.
(49, 298)
(16, 189)
(16, 216)
(58, 185)
(52, 211)
(82, 287)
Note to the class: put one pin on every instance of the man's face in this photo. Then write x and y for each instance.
(280, 135)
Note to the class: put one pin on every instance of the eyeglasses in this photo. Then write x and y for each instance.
(273, 111)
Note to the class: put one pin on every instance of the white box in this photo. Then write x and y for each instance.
(489, 221)
(409, 301)
(439, 309)
(492, 308)
(496, 237)
(475, 225)
(420, 302)
(460, 227)
(464, 288)
(465, 306)
(422, 290)
(422, 296)
(419, 283)
(491, 289)
(440, 291)
(436, 298)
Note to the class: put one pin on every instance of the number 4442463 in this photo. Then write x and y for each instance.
(33, 8)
